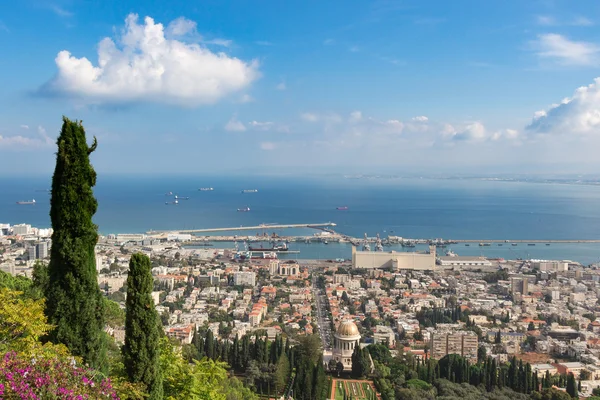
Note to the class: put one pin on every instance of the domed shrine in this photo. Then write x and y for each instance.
(345, 339)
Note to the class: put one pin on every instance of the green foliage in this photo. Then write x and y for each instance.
(142, 334)
(21, 284)
(114, 315)
(572, 386)
(74, 302)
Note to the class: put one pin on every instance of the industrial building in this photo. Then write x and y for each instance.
(394, 260)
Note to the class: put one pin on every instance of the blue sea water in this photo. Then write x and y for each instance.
(414, 208)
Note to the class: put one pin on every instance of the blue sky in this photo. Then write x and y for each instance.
(207, 86)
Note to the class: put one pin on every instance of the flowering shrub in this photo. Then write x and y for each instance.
(55, 378)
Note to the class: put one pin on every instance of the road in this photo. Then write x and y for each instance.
(321, 311)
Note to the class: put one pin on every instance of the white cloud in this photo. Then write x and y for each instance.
(330, 118)
(564, 51)
(145, 65)
(267, 146)
(420, 118)
(582, 21)
(26, 142)
(261, 126)
(579, 114)
(233, 125)
(281, 86)
(474, 131)
(24, 126)
(508, 134)
(180, 27)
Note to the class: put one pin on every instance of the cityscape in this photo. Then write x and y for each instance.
(291, 200)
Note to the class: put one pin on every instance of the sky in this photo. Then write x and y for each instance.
(211, 87)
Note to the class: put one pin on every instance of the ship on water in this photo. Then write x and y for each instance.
(250, 191)
(172, 202)
(342, 208)
(26, 202)
(245, 209)
(280, 247)
(181, 198)
(206, 189)
(169, 194)
(266, 255)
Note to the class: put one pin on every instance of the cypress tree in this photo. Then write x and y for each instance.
(142, 329)
(74, 301)
(571, 386)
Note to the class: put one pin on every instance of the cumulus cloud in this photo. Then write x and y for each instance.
(24, 126)
(474, 131)
(233, 125)
(579, 114)
(26, 142)
(145, 63)
(420, 118)
(246, 98)
(558, 48)
(547, 20)
(508, 134)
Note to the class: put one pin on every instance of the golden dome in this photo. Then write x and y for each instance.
(347, 328)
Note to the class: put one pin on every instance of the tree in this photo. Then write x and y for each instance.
(481, 354)
(339, 368)
(572, 386)
(142, 333)
(74, 302)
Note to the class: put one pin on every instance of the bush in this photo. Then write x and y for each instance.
(50, 379)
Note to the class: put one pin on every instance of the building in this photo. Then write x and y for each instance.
(244, 279)
(130, 237)
(519, 285)
(21, 229)
(394, 260)
(462, 343)
(41, 249)
(550, 266)
(288, 269)
(31, 253)
(345, 339)
(463, 262)
(385, 335)
(541, 369)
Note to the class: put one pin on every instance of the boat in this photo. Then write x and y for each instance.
(467, 244)
(281, 247)
(26, 202)
(484, 244)
(206, 189)
(169, 194)
(514, 244)
(245, 209)
(181, 198)
(450, 253)
(547, 244)
(250, 191)
(531, 244)
(325, 241)
(342, 208)
(172, 202)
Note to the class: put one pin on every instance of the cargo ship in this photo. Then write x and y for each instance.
(172, 202)
(342, 208)
(206, 189)
(181, 198)
(245, 209)
(281, 247)
(26, 202)
(250, 191)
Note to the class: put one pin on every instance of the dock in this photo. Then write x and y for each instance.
(249, 228)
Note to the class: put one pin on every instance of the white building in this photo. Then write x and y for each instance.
(345, 339)
(22, 229)
(130, 237)
(463, 262)
(244, 279)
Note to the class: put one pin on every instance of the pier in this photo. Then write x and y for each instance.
(249, 228)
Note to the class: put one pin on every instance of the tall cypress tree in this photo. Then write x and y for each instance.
(142, 329)
(74, 301)
(572, 386)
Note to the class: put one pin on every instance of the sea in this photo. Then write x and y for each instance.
(419, 208)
